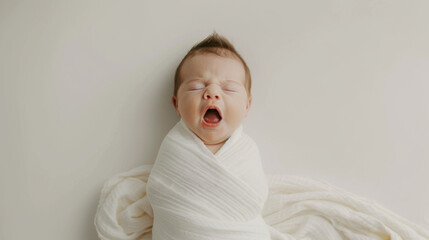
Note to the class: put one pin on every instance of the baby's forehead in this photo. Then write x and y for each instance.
(200, 61)
(205, 66)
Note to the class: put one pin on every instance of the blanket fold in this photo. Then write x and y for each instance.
(195, 194)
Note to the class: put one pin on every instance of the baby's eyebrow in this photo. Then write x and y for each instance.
(202, 80)
(231, 81)
(193, 80)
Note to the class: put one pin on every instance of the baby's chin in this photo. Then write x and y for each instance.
(213, 137)
(217, 135)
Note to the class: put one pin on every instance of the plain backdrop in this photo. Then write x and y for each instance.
(340, 94)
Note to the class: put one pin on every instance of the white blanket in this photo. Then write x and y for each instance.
(190, 193)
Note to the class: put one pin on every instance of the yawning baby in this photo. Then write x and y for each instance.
(207, 181)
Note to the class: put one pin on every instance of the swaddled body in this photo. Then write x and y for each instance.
(196, 194)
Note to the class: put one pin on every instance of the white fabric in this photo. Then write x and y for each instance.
(195, 194)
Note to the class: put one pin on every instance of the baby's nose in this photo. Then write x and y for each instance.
(211, 94)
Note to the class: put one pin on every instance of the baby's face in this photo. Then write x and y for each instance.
(212, 81)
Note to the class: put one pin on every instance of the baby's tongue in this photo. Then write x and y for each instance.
(212, 116)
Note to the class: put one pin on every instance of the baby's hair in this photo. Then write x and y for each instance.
(220, 46)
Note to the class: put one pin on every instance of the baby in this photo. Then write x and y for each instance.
(212, 91)
(207, 181)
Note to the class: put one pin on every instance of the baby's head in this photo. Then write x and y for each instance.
(212, 90)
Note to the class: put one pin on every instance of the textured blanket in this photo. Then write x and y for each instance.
(191, 193)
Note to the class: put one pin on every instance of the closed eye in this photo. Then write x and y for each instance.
(229, 89)
(196, 87)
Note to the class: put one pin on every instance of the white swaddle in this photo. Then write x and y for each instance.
(195, 194)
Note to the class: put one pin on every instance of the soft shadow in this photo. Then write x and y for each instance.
(161, 119)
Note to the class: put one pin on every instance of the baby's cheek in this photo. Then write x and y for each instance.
(235, 115)
(191, 108)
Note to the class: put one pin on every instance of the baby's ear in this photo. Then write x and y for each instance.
(174, 101)
(249, 103)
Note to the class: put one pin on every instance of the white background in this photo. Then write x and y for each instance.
(340, 93)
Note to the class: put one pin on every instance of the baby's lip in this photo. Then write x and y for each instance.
(212, 107)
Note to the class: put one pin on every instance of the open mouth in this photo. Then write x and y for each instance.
(212, 116)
